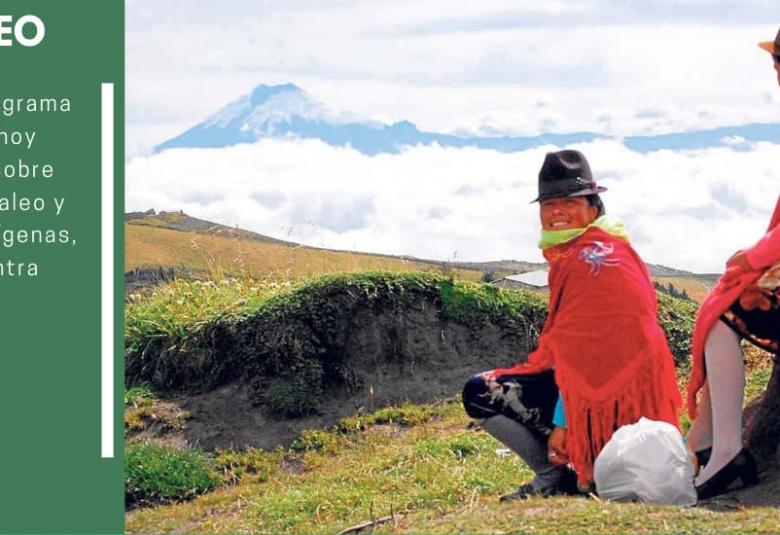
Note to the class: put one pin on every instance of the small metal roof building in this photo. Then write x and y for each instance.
(531, 280)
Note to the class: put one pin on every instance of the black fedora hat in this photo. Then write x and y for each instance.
(566, 173)
(773, 47)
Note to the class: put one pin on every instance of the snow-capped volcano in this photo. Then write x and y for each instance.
(268, 111)
(287, 111)
(260, 111)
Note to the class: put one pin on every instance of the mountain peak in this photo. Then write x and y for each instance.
(286, 111)
(262, 92)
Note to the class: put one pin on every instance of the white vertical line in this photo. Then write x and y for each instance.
(107, 272)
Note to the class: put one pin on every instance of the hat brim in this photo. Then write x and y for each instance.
(769, 46)
(582, 193)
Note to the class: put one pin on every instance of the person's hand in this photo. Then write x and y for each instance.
(556, 447)
(740, 260)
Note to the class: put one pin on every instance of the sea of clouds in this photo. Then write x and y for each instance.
(684, 209)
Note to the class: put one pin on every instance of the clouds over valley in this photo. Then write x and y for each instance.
(684, 209)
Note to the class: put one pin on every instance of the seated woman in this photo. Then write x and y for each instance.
(601, 345)
(736, 308)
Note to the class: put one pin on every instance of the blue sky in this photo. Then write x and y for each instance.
(487, 68)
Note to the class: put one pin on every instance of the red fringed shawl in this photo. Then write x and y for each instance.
(612, 363)
(727, 290)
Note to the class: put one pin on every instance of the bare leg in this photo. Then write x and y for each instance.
(726, 380)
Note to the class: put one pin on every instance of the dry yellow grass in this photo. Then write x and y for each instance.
(147, 245)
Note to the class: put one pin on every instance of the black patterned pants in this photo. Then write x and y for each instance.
(527, 399)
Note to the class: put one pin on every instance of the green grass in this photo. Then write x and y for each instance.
(434, 473)
(471, 303)
(139, 396)
(181, 306)
(380, 468)
(159, 474)
(256, 463)
(407, 414)
(757, 381)
(177, 308)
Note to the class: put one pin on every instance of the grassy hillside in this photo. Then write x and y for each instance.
(199, 335)
(177, 240)
(151, 245)
(192, 336)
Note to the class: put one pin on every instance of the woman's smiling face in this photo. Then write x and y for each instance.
(565, 213)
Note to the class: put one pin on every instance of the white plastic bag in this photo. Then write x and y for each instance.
(646, 461)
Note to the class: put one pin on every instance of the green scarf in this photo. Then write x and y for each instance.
(551, 238)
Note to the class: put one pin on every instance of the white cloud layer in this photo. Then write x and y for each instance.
(689, 209)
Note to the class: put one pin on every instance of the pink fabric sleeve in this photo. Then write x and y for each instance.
(767, 251)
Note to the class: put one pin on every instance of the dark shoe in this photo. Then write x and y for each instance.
(703, 456)
(567, 485)
(743, 467)
(523, 492)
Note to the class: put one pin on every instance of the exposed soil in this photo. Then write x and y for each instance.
(415, 356)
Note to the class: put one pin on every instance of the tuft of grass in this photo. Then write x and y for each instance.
(235, 466)
(318, 440)
(181, 306)
(139, 401)
(168, 416)
(139, 396)
(407, 414)
(143, 408)
(136, 419)
(159, 474)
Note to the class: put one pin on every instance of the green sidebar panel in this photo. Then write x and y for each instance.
(61, 258)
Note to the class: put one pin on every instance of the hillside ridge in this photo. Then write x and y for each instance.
(182, 222)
